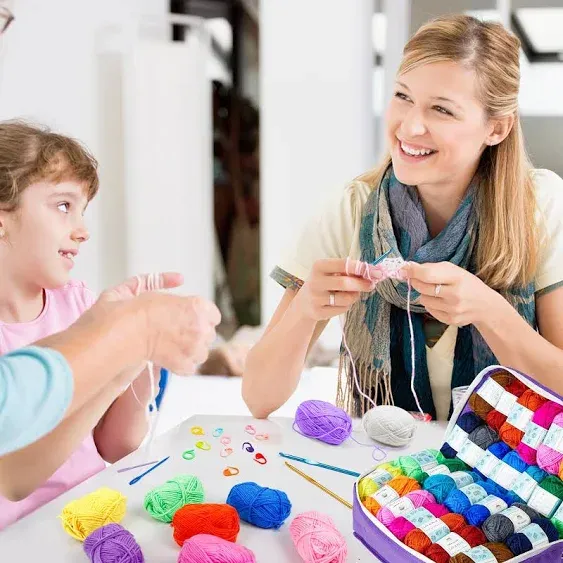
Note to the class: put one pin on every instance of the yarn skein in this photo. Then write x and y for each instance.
(507, 472)
(407, 504)
(442, 485)
(536, 431)
(524, 486)
(380, 476)
(397, 487)
(472, 535)
(163, 501)
(389, 425)
(323, 421)
(479, 512)
(420, 541)
(205, 548)
(499, 551)
(112, 543)
(465, 424)
(493, 456)
(316, 538)
(416, 464)
(497, 417)
(512, 431)
(547, 496)
(220, 520)
(539, 533)
(82, 516)
(459, 500)
(473, 450)
(499, 526)
(260, 506)
(480, 400)
(549, 456)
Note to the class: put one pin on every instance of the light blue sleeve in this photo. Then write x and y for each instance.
(36, 387)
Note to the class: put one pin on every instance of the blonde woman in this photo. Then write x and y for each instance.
(458, 199)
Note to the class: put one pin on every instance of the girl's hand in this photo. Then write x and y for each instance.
(329, 278)
(451, 294)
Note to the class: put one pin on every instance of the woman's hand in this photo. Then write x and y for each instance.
(451, 294)
(329, 278)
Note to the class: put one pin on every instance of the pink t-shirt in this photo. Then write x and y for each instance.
(62, 307)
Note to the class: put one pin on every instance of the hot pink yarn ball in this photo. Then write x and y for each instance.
(316, 538)
(549, 459)
(543, 418)
(409, 502)
(400, 527)
(205, 548)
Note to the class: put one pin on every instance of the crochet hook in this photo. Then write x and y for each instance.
(381, 258)
(139, 477)
(319, 464)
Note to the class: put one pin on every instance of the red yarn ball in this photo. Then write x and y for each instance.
(472, 535)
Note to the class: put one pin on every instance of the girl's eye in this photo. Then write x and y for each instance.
(64, 206)
(440, 109)
(402, 96)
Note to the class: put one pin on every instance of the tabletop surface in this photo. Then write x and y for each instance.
(269, 546)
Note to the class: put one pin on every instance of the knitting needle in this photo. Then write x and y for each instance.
(381, 258)
(317, 484)
(139, 477)
(137, 466)
(319, 464)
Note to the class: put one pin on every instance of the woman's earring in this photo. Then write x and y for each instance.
(2, 233)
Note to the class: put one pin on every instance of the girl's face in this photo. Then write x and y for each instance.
(43, 236)
(436, 126)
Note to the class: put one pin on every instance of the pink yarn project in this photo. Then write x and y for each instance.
(389, 268)
(548, 458)
(543, 417)
(316, 538)
(419, 499)
(205, 548)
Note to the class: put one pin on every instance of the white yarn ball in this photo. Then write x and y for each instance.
(389, 425)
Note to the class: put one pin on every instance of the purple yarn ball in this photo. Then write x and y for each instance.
(112, 544)
(323, 421)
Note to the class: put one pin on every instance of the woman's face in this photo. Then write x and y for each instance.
(436, 126)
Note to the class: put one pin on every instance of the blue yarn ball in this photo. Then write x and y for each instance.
(469, 422)
(442, 485)
(495, 489)
(457, 500)
(447, 451)
(499, 450)
(476, 515)
(513, 459)
(519, 543)
(536, 474)
(260, 506)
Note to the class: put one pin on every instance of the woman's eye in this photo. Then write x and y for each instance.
(64, 207)
(402, 96)
(440, 109)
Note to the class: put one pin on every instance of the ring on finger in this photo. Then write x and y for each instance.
(331, 298)
(437, 289)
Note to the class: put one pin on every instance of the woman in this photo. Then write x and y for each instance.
(458, 199)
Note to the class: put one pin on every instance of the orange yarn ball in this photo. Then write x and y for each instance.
(419, 541)
(481, 407)
(510, 434)
(471, 534)
(402, 485)
(220, 520)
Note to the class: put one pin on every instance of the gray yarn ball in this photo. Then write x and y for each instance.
(483, 436)
(389, 425)
(498, 527)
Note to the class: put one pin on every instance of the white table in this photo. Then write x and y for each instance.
(41, 537)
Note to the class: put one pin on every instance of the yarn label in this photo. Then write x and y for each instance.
(475, 493)
(380, 477)
(504, 475)
(462, 478)
(385, 495)
(559, 514)
(401, 506)
(439, 470)
(453, 544)
(481, 554)
(554, 438)
(536, 536)
(494, 504)
(420, 517)
(518, 517)
(534, 435)
(519, 417)
(491, 391)
(457, 438)
(544, 502)
(425, 459)
(506, 403)
(435, 530)
(471, 453)
(487, 463)
(524, 486)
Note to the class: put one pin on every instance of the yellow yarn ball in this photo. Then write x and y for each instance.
(377, 478)
(84, 515)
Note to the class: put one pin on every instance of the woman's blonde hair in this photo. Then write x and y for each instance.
(30, 153)
(505, 201)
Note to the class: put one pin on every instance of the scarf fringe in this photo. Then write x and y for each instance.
(375, 383)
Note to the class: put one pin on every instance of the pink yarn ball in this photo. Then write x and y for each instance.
(418, 499)
(316, 538)
(205, 548)
(549, 459)
(543, 417)
(400, 527)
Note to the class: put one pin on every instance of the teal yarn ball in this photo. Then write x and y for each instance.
(261, 506)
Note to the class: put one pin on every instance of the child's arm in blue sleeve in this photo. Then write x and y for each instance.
(36, 387)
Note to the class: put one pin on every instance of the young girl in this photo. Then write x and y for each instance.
(46, 183)
(457, 197)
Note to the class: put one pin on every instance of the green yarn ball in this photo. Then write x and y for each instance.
(455, 464)
(163, 501)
